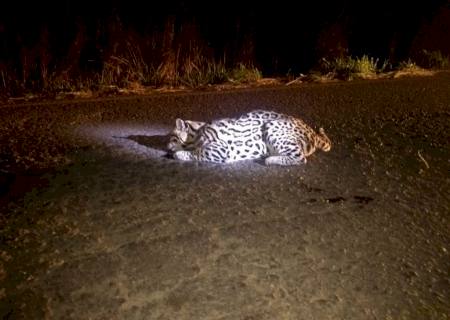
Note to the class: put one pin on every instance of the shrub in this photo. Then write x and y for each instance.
(349, 67)
(434, 60)
(244, 74)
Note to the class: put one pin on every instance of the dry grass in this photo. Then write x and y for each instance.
(348, 68)
(131, 63)
(365, 67)
(409, 68)
(127, 62)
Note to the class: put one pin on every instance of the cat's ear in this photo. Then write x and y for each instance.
(180, 124)
(195, 125)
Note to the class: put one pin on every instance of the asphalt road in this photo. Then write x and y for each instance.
(97, 224)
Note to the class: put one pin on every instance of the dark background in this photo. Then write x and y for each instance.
(275, 36)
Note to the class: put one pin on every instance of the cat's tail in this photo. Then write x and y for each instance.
(322, 141)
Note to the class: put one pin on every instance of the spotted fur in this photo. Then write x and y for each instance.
(278, 138)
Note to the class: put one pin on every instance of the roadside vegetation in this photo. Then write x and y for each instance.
(174, 61)
(365, 67)
(348, 68)
(125, 72)
(122, 61)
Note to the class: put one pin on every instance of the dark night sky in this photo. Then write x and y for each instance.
(280, 30)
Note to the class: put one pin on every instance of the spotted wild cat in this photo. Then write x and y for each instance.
(277, 138)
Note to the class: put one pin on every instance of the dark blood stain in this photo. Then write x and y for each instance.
(312, 189)
(362, 199)
(336, 199)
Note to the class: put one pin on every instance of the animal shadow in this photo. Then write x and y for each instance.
(157, 142)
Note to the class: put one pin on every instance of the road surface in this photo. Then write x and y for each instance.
(97, 224)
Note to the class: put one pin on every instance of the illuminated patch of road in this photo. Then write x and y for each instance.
(138, 140)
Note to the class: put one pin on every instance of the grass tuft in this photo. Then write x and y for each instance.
(434, 60)
(197, 70)
(408, 65)
(244, 74)
(410, 68)
(348, 68)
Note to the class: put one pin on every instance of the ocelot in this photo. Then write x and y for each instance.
(277, 138)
